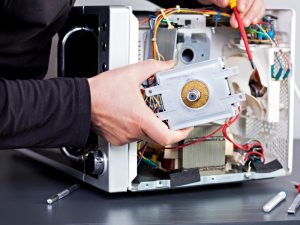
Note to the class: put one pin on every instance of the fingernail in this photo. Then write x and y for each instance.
(246, 22)
(255, 21)
(234, 24)
(242, 8)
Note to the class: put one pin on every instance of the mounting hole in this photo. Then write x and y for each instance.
(187, 55)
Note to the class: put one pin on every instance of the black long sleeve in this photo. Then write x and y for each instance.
(36, 113)
(44, 113)
(26, 31)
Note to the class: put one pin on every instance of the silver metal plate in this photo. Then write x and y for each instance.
(220, 105)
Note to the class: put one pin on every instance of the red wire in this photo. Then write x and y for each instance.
(282, 53)
(245, 147)
(255, 153)
(197, 141)
(143, 152)
(223, 128)
(263, 23)
(243, 33)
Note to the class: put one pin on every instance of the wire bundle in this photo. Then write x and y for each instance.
(249, 148)
(154, 102)
(141, 157)
(164, 16)
(267, 33)
(246, 147)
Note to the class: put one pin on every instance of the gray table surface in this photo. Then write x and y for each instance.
(25, 184)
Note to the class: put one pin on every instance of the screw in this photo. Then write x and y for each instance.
(193, 95)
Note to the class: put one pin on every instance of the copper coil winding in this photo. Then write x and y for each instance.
(192, 87)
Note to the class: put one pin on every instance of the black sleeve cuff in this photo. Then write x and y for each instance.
(84, 112)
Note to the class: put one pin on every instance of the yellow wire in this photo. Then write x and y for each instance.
(205, 13)
(142, 156)
(260, 41)
(167, 12)
(170, 26)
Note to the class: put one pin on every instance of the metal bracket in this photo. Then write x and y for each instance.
(210, 77)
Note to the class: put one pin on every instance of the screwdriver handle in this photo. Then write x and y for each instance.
(233, 6)
(232, 3)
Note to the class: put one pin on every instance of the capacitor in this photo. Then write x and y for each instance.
(270, 205)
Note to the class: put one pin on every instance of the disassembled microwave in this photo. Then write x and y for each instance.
(243, 117)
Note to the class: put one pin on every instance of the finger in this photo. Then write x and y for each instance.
(146, 138)
(253, 13)
(233, 21)
(244, 5)
(144, 70)
(260, 15)
(156, 130)
(221, 3)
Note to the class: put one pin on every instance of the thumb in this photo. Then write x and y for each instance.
(158, 131)
(144, 70)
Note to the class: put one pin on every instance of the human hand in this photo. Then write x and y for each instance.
(119, 112)
(251, 10)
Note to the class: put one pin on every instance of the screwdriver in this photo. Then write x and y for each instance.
(233, 6)
(63, 194)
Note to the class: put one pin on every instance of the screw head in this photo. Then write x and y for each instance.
(193, 95)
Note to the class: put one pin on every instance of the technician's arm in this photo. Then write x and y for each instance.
(58, 112)
(44, 113)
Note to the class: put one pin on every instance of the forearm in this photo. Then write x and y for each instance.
(47, 113)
